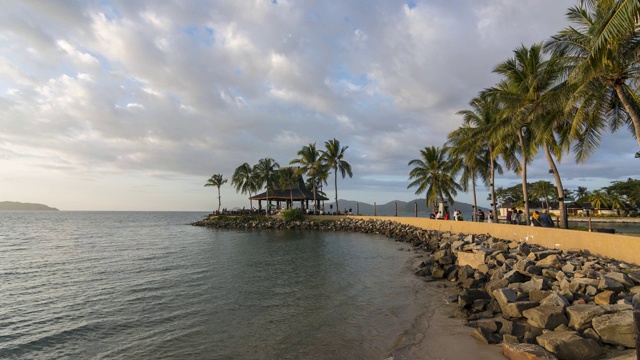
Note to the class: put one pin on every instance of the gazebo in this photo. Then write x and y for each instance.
(298, 193)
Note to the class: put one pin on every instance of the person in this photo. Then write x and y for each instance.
(545, 219)
(509, 216)
(480, 215)
(535, 221)
(490, 216)
(439, 215)
(456, 215)
(446, 215)
(432, 216)
(521, 219)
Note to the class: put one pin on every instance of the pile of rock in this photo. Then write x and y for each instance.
(539, 303)
(573, 305)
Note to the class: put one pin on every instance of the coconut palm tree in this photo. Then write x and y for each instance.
(217, 181)
(288, 179)
(598, 199)
(543, 190)
(602, 45)
(434, 175)
(243, 180)
(265, 175)
(482, 118)
(333, 156)
(311, 163)
(582, 192)
(469, 155)
(528, 95)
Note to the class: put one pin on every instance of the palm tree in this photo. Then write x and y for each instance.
(528, 94)
(265, 175)
(333, 157)
(616, 202)
(311, 163)
(602, 46)
(434, 175)
(598, 199)
(482, 119)
(469, 155)
(542, 190)
(287, 179)
(217, 181)
(582, 192)
(244, 181)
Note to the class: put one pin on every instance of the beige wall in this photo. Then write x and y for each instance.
(615, 246)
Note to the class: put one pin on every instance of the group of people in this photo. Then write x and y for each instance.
(516, 217)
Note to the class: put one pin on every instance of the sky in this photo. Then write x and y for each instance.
(133, 105)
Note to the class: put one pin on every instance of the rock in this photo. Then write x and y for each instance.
(605, 298)
(534, 284)
(546, 317)
(526, 352)
(568, 345)
(554, 299)
(514, 310)
(551, 261)
(616, 329)
(505, 295)
(493, 285)
(607, 283)
(472, 259)
(620, 277)
(580, 316)
(485, 336)
(635, 276)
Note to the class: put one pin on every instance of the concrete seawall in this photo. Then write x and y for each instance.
(620, 247)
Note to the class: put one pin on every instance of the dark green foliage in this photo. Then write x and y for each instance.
(292, 215)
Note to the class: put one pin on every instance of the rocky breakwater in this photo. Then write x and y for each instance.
(538, 303)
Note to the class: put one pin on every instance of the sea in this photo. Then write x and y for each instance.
(148, 285)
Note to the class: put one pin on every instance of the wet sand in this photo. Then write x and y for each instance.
(437, 336)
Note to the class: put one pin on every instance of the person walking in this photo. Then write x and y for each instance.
(545, 219)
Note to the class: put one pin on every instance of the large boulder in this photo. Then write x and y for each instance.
(617, 328)
(526, 352)
(568, 345)
(580, 316)
(546, 317)
(473, 259)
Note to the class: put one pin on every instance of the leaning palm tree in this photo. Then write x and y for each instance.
(602, 45)
(311, 163)
(244, 181)
(217, 181)
(265, 175)
(598, 199)
(434, 175)
(527, 93)
(333, 157)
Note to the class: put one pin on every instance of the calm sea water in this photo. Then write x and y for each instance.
(146, 285)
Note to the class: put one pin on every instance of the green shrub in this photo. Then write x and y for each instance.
(292, 215)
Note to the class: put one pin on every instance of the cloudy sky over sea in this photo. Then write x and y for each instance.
(132, 105)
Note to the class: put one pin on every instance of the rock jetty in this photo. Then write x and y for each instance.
(538, 303)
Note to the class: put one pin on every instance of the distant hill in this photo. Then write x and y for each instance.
(13, 205)
(405, 208)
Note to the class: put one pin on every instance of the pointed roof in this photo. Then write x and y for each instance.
(298, 192)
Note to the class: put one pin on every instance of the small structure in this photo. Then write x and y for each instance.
(298, 192)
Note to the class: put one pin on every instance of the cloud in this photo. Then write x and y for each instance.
(172, 92)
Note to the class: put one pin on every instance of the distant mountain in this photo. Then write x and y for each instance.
(12, 205)
(405, 208)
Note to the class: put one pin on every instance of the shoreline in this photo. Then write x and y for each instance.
(508, 292)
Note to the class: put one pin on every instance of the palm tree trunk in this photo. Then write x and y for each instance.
(564, 223)
(524, 176)
(635, 118)
(473, 189)
(219, 199)
(335, 183)
(494, 206)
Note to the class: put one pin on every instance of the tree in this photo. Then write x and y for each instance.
(528, 96)
(602, 45)
(265, 175)
(333, 157)
(287, 179)
(434, 175)
(582, 193)
(244, 181)
(629, 190)
(598, 199)
(543, 191)
(311, 164)
(482, 119)
(217, 181)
